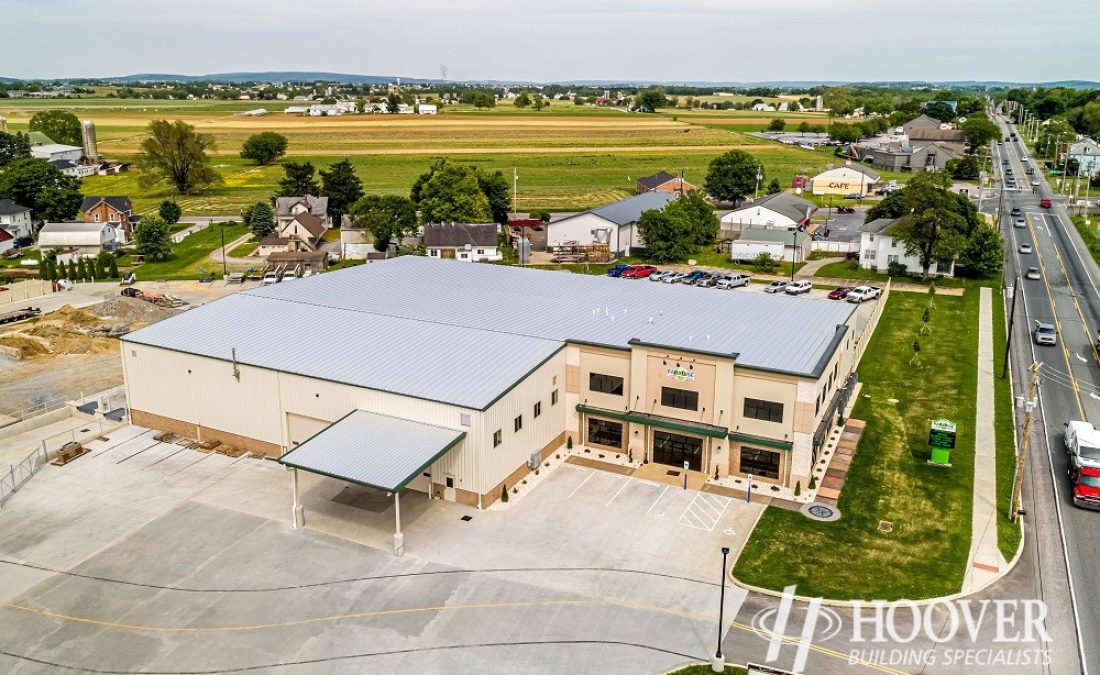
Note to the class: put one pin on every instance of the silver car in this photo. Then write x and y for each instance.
(1045, 334)
(674, 278)
(706, 280)
(1033, 273)
(728, 281)
(660, 276)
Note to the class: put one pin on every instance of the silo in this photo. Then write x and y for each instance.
(3, 124)
(91, 150)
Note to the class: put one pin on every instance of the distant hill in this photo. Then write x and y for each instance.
(278, 77)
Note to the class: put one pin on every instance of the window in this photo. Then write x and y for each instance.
(481, 251)
(763, 463)
(464, 419)
(671, 397)
(554, 397)
(869, 254)
(538, 409)
(605, 384)
(554, 380)
(517, 423)
(97, 217)
(603, 432)
(497, 438)
(769, 411)
(675, 449)
(891, 259)
(433, 253)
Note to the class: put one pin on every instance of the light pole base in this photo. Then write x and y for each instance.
(718, 663)
(299, 517)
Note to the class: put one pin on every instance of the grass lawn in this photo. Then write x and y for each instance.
(925, 554)
(1008, 534)
(843, 270)
(244, 249)
(1089, 235)
(191, 255)
(704, 669)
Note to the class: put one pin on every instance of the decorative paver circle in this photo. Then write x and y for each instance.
(819, 511)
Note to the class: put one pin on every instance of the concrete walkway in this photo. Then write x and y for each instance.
(811, 267)
(985, 560)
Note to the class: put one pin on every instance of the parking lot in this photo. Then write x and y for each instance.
(144, 555)
(754, 286)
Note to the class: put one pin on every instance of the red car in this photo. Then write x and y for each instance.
(840, 293)
(1086, 488)
(1044, 203)
(638, 271)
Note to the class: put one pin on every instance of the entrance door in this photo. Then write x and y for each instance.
(674, 450)
(447, 253)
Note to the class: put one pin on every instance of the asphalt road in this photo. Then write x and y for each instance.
(1067, 295)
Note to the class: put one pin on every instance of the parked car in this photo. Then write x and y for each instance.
(674, 278)
(1016, 211)
(1044, 203)
(706, 280)
(839, 293)
(1086, 488)
(1033, 273)
(728, 281)
(1025, 248)
(853, 195)
(638, 272)
(691, 277)
(23, 242)
(660, 275)
(863, 293)
(1019, 222)
(799, 287)
(270, 278)
(845, 209)
(617, 270)
(1045, 334)
(775, 287)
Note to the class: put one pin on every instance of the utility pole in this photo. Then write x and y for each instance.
(515, 192)
(1025, 443)
(1016, 290)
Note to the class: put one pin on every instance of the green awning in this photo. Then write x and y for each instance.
(760, 440)
(658, 421)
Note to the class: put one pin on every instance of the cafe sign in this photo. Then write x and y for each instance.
(942, 434)
(681, 374)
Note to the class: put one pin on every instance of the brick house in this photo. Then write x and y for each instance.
(662, 181)
(118, 211)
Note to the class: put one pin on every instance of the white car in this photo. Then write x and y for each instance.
(727, 281)
(863, 293)
(1025, 248)
(775, 287)
(1033, 273)
(1020, 222)
(660, 276)
(798, 287)
(270, 278)
(674, 278)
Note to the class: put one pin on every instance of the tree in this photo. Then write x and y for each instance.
(48, 193)
(261, 220)
(966, 168)
(450, 192)
(926, 191)
(777, 124)
(668, 236)
(845, 133)
(940, 110)
(299, 180)
(983, 254)
(388, 217)
(649, 100)
(152, 239)
(541, 214)
(112, 268)
(694, 209)
(775, 186)
(82, 270)
(60, 125)
(764, 263)
(393, 100)
(539, 102)
(176, 154)
(979, 132)
(103, 264)
(732, 176)
(13, 147)
(264, 148)
(523, 100)
(170, 212)
(342, 187)
(496, 189)
(933, 235)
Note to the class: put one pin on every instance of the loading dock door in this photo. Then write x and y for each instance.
(675, 449)
(300, 428)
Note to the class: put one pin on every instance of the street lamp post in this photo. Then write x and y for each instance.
(221, 229)
(759, 177)
(794, 254)
(718, 663)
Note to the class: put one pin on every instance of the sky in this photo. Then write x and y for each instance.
(560, 40)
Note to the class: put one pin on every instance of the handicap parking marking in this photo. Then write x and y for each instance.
(704, 511)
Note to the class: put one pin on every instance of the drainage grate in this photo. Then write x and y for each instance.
(885, 526)
(466, 518)
(673, 473)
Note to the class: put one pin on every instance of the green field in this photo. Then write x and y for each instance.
(191, 257)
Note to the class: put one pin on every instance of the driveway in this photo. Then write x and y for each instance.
(149, 556)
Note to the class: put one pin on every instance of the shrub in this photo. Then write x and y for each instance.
(568, 442)
(503, 493)
(813, 482)
(897, 269)
(798, 489)
(764, 263)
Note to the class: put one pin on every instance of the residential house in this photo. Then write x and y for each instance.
(118, 211)
(877, 249)
(845, 180)
(299, 263)
(76, 239)
(287, 208)
(7, 242)
(473, 242)
(15, 219)
(662, 181)
(780, 210)
(614, 225)
(303, 232)
(783, 245)
(356, 243)
(1087, 153)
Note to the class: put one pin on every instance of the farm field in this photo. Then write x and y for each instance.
(568, 157)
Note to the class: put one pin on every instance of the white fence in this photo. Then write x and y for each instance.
(24, 290)
(836, 246)
(109, 399)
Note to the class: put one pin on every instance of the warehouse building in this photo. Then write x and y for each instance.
(452, 379)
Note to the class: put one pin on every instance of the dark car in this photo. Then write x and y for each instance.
(840, 293)
(23, 242)
(691, 278)
(1016, 211)
(617, 270)
(853, 195)
(846, 209)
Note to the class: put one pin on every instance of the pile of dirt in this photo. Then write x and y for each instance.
(24, 345)
(74, 317)
(129, 312)
(66, 340)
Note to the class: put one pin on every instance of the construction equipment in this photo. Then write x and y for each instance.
(20, 315)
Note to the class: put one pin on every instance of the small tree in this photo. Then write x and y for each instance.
(764, 263)
(798, 489)
(775, 186)
(523, 100)
(113, 268)
(82, 270)
(927, 319)
(896, 269)
(568, 442)
(813, 482)
(261, 220)
(170, 212)
(264, 147)
(152, 239)
(777, 124)
(915, 361)
(932, 295)
(503, 493)
(542, 215)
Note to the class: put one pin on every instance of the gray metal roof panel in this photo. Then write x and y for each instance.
(630, 209)
(371, 449)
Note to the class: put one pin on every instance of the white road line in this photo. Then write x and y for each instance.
(621, 488)
(581, 484)
(657, 500)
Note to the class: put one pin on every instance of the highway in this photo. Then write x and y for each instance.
(1063, 540)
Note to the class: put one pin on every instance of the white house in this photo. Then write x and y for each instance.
(787, 246)
(74, 169)
(356, 243)
(877, 249)
(472, 242)
(54, 151)
(614, 224)
(763, 107)
(1087, 153)
(427, 109)
(845, 180)
(76, 239)
(15, 219)
(780, 210)
(288, 208)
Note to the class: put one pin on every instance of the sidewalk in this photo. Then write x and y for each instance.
(985, 561)
(811, 267)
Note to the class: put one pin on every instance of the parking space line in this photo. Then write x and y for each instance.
(704, 511)
(581, 484)
(621, 488)
(658, 499)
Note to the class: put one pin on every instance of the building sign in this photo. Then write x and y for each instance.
(942, 434)
(839, 186)
(681, 374)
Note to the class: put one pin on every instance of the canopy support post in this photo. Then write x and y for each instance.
(398, 538)
(298, 511)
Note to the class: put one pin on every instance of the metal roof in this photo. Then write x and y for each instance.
(760, 234)
(10, 208)
(630, 210)
(72, 234)
(783, 203)
(877, 225)
(375, 450)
